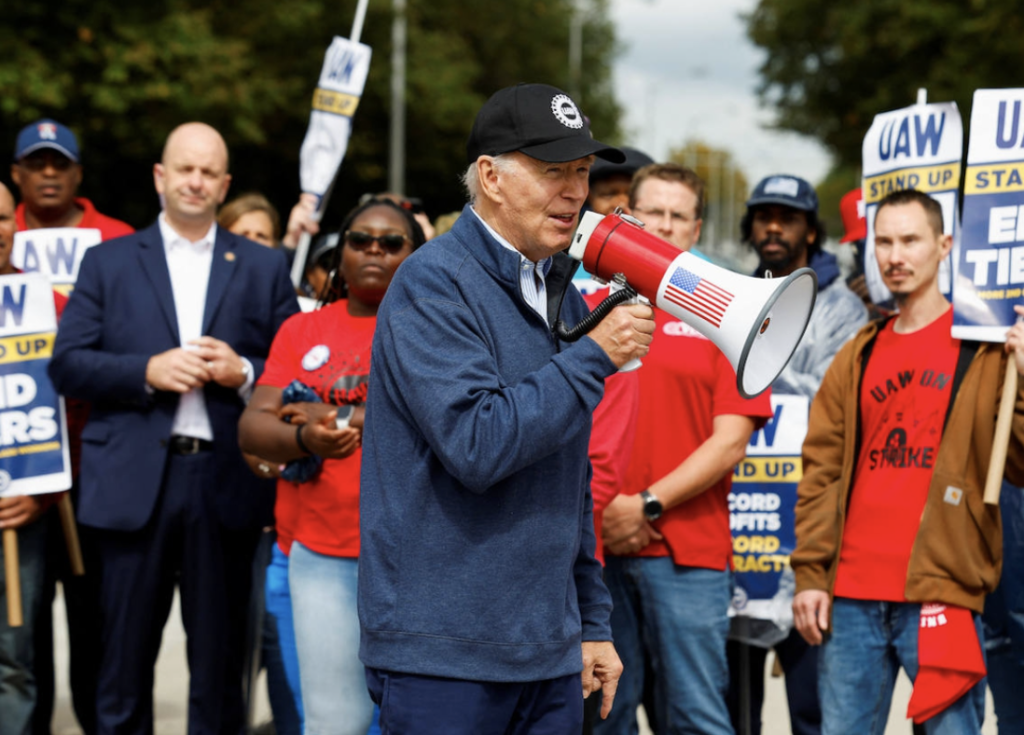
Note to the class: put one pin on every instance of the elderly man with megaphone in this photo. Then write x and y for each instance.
(477, 577)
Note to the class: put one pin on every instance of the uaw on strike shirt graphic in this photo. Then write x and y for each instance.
(33, 429)
(903, 411)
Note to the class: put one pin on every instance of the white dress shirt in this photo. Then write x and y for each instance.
(189, 266)
(531, 275)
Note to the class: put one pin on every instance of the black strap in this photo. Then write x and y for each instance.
(865, 355)
(558, 281)
(963, 361)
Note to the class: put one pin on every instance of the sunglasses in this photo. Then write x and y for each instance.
(36, 163)
(392, 243)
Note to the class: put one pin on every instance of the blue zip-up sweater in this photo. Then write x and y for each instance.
(477, 537)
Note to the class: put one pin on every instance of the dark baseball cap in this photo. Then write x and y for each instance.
(635, 160)
(321, 247)
(536, 119)
(46, 134)
(790, 191)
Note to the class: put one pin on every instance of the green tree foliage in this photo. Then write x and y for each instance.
(122, 75)
(725, 193)
(832, 66)
(726, 184)
(841, 179)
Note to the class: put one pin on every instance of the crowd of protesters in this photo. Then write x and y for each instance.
(435, 540)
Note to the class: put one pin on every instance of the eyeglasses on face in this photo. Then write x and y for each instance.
(36, 162)
(392, 242)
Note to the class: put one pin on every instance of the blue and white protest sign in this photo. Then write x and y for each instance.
(335, 100)
(762, 508)
(33, 429)
(991, 258)
(918, 147)
(330, 123)
(56, 252)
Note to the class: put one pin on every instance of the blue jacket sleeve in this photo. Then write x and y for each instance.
(594, 599)
(79, 368)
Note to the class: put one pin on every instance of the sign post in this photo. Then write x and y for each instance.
(34, 455)
(56, 252)
(335, 100)
(918, 147)
(991, 260)
(762, 507)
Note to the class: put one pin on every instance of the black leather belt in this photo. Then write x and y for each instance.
(189, 445)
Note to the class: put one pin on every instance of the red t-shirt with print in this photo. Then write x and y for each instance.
(685, 382)
(329, 351)
(903, 402)
(612, 435)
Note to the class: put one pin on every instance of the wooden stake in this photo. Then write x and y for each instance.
(13, 578)
(1001, 440)
(67, 522)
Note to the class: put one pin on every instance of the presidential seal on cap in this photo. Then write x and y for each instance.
(538, 120)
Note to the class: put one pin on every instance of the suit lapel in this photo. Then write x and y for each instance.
(221, 270)
(154, 264)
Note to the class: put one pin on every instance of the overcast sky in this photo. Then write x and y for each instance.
(688, 71)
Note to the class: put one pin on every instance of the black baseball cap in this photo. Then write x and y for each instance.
(536, 119)
(634, 161)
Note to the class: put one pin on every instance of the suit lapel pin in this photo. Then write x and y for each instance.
(229, 256)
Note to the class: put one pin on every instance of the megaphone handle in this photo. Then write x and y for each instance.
(631, 365)
(635, 363)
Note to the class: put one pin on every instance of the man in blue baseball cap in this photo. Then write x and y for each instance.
(47, 170)
(782, 225)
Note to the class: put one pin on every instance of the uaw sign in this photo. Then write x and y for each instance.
(33, 429)
(335, 100)
(56, 252)
(991, 259)
(918, 147)
(761, 513)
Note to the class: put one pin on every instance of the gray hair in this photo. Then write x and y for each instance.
(471, 178)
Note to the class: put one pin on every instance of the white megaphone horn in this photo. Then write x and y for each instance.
(755, 322)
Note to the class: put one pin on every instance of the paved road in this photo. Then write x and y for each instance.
(172, 690)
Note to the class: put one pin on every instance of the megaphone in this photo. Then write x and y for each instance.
(755, 322)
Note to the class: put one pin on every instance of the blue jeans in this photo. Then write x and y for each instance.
(279, 653)
(26, 664)
(676, 618)
(334, 696)
(858, 664)
(1004, 618)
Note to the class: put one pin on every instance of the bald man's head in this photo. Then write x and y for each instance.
(192, 132)
(192, 178)
(7, 229)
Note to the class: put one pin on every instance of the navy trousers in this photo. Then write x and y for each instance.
(429, 705)
(183, 544)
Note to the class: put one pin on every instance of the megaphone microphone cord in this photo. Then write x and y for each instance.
(594, 318)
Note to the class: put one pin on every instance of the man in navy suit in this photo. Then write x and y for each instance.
(164, 335)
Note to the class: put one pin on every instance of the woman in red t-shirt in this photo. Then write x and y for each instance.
(328, 351)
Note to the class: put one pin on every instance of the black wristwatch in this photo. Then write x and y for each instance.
(652, 506)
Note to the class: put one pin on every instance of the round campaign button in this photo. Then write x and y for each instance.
(316, 357)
